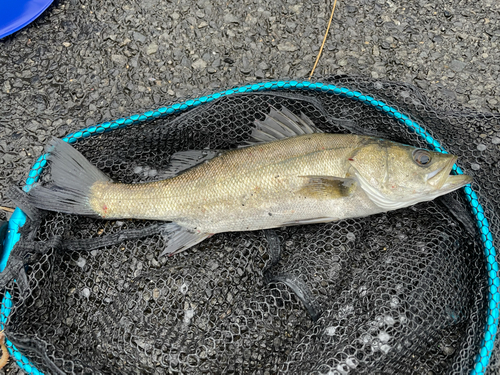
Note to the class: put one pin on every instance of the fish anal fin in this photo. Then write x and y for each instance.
(179, 238)
(327, 187)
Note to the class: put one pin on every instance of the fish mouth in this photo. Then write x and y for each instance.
(454, 182)
(442, 180)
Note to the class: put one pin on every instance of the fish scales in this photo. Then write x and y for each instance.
(245, 189)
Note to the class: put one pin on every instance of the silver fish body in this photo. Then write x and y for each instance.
(299, 179)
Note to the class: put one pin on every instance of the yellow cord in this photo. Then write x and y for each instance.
(324, 40)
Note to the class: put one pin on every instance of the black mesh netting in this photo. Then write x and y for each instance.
(398, 293)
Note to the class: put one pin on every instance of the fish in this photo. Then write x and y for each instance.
(289, 173)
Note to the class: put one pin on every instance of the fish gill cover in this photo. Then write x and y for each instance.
(411, 291)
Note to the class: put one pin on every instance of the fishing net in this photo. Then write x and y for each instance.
(413, 291)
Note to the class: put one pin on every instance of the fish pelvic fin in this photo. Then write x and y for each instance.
(72, 179)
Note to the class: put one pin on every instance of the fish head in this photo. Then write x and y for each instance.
(395, 175)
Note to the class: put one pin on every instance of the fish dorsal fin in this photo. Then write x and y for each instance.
(280, 124)
(184, 160)
(327, 187)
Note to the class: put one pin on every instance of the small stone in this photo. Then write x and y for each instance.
(376, 51)
(199, 64)
(263, 65)
(229, 18)
(152, 49)
(385, 349)
(229, 60)
(448, 350)
(81, 262)
(86, 292)
(389, 320)
(216, 63)
(66, 44)
(291, 27)
(156, 293)
(119, 59)
(211, 70)
(457, 65)
(202, 24)
(303, 72)
(139, 37)
(259, 74)
(481, 147)
(287, 47)
(7, 87)
(422, 84)
(184, 288)
(495, 140)
(245, 70)
(475, 166)
(384, 336)
(437, 39)
(330, 331)
(175, 16)
(352, 362)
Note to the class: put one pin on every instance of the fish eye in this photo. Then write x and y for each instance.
(422, 157)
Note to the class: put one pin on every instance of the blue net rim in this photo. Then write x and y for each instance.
(18, 218)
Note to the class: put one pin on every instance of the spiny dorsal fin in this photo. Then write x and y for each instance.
(279, 125)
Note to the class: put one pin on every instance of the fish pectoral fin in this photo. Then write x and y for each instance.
(327, 187)
(280, 124)
(180, 238)
(184, 160)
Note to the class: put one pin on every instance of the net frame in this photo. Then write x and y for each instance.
(18, 218)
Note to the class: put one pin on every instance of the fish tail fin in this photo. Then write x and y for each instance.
(72, 178)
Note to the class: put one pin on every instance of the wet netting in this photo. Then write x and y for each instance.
(413, 291)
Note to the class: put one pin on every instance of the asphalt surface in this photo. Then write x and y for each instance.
(86, 62)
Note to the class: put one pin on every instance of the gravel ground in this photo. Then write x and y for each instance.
(85, 62)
